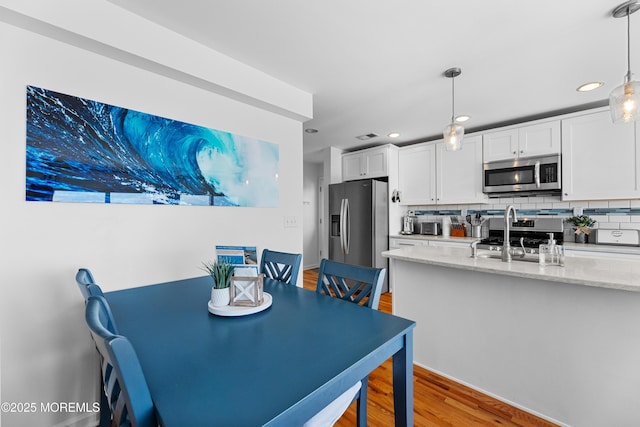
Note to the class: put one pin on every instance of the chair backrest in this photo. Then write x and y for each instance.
(280, 266)
(125, 386)
(94, 291)
(105, 319)
(84, 278)
(357, 284)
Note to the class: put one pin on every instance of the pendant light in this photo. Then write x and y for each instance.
(453, 132)
(624, 101)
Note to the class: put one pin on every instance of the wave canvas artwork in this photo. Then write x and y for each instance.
(79, 150)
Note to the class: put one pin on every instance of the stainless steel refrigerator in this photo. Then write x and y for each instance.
(359, 227)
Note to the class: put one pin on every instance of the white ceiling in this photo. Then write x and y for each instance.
(375, 66)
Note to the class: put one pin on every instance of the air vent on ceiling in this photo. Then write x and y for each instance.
(367, 136)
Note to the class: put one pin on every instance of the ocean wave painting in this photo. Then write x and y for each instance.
(79, 150)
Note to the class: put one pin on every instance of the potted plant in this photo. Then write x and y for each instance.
(221, 273)
(582, 225)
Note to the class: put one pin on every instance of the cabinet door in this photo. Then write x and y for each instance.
(352, 166)
(599, 159)
(459, 173)
(502, 145)
(539, 139)
(376, 163)
(417, 174)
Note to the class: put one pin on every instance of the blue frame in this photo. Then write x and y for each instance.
(79, 150)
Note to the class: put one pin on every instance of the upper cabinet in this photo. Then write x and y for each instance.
(369, 163)
(417, 174)
(459, 173)
(600, 160)
(428, 174)
(526, 141)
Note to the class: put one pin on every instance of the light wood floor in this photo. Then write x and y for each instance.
(438, 401)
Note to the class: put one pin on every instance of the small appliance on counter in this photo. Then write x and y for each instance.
(430, 228)
(615, 237)
(408, 224)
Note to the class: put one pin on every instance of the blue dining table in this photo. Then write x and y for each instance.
(278, 367)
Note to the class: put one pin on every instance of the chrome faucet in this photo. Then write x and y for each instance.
(474, 248)
(506, 246)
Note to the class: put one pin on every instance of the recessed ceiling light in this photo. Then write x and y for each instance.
(589, 86)
(393, 135)
(462, 118)
(311, 130)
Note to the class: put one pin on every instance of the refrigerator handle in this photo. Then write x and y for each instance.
(348, 231)
(342, 225)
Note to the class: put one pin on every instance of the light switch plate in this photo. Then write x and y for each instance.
(290, 221)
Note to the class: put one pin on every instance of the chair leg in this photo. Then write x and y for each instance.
(105, 410)
(362, 403)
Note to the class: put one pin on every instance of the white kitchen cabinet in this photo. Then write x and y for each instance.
(459, 173)
(571, 251)
(451, 244)
(428, 174)
(600, 160)
(417, 174)
(368, 163)
(526, 141)
(401, 243)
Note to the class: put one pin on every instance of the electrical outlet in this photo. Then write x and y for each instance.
(290, 221)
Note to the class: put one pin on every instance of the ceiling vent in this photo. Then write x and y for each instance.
(367, 136)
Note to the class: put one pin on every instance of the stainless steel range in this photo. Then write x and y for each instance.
(527, 234)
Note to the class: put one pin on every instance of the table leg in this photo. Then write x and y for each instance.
(403, 383)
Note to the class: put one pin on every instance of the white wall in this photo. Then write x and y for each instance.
(311, 226)
(47, 355)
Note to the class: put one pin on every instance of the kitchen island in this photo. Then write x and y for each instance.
(560, 342)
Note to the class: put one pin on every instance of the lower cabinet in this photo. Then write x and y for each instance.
(449, 243)
(401, 243)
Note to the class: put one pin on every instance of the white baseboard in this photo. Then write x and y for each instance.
(508, 402)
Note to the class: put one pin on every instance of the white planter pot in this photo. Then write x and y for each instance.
(219, 297)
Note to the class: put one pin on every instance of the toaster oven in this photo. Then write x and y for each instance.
(430, 228)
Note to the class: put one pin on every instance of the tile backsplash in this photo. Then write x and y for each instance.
(612, 214)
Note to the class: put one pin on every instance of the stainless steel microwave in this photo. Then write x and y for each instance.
(528, 176)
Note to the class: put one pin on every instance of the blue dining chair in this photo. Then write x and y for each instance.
(84, 278)
(280, 266)
(125, 386)
(88, 288)
(358, 285)
(353, 283)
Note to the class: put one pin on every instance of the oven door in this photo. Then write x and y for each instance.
(537, 174)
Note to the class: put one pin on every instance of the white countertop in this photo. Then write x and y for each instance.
(587, 271)
(571, 246)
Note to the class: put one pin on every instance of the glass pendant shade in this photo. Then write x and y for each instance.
(624, 102)
(453, 134)
(625, 99)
